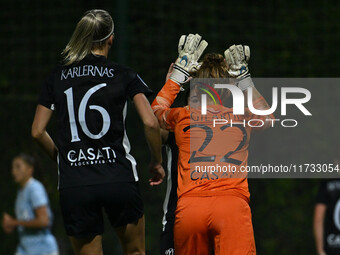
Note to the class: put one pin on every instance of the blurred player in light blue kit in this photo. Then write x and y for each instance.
(33, 213)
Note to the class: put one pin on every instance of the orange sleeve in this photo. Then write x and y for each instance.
(167, 117)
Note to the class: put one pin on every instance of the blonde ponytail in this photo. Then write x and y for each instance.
(94, 28)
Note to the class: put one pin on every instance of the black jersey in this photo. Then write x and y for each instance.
(329, 194)
(90, 102)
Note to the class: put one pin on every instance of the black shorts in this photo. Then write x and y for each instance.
(330, 251)
(82, 207)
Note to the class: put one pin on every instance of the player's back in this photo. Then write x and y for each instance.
(211, 153)
(90, 101)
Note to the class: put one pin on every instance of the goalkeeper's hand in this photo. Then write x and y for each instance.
(190, 49)
(237, 57)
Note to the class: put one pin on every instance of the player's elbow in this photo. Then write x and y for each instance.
(151, 122)
(36, 133)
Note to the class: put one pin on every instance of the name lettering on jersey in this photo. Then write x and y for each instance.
(196, 116)
(91, 156)
(86, 70)
(202, 174)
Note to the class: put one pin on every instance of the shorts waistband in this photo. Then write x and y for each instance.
(209, 193)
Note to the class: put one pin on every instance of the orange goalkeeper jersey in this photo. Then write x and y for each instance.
(213, 153)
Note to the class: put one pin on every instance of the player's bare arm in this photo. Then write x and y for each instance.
(318, 226)
(152, 133)
(41, 220)
(39, 133)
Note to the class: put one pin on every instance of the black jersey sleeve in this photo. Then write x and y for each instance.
(46, 97)
(322, 196)
(137, 85)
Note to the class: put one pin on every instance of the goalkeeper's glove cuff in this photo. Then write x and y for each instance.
(179, 75)
(245, 82)
(239, 73)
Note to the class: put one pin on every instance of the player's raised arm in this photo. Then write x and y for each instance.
(237, 57)
(190, 49)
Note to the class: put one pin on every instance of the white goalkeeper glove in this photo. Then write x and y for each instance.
(237, 57)
(190, 49)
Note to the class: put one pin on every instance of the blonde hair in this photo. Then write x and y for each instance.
(94, 28)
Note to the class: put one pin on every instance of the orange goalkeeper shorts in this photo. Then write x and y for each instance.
(222, 223)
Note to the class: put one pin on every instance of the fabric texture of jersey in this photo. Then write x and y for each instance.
(190, 130)
(33, 241)
(329, 194)
(170, 151)
(90, 102)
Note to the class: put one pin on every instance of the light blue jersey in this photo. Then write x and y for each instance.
(33, 241)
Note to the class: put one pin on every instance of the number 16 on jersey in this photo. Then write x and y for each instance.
(81, 114)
